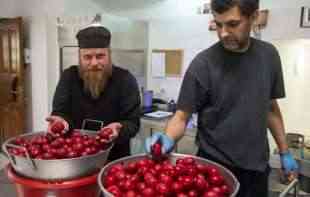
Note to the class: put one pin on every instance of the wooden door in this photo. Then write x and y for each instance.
(12, 84)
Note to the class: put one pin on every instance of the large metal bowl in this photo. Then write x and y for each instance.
(231, 180)
(56, 169)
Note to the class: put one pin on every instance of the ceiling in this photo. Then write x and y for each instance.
(125, 5)
(121, 5)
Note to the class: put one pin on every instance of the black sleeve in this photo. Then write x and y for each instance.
(277, 86)
(130, 108)
(62, 97)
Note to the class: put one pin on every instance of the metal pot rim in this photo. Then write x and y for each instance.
(108, 165)
(41, 169)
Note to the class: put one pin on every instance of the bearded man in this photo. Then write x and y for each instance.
(98, 90)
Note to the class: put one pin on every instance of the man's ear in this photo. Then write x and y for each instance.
(253, 19)
(254, 16)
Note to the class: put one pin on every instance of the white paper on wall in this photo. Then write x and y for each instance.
(158, 65)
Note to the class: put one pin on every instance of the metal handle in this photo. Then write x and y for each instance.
(290, 187)
(91, 120)
(11, 157)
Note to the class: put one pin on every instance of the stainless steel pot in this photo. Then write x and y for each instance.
(229, 177)
(56, 169)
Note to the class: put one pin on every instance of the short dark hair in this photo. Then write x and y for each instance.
(247, 7)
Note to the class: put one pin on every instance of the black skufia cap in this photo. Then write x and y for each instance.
(94, 37)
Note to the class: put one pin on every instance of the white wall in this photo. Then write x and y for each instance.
(283, 30)
(39, 74)
(282, 25)
(154, 9)
(269, 4)
(296, 59)
(295, 62)
(188, 33)
(35, 14)
(80, 8)
(8, 8)
(151, 9)
(52, 58)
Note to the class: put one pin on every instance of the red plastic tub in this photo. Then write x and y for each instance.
(82, 187)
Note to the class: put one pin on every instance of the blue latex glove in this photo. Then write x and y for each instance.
(289, 164)
(166, 142)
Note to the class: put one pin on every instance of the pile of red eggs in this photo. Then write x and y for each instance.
(150, 178)
(62, 145)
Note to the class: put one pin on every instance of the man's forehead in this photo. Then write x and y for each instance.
(233, 14)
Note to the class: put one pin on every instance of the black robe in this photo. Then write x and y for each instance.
(120, 102)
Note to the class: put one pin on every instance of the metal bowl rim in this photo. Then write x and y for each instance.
(99, 178)
(54, 160)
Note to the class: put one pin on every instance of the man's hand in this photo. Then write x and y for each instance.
(289, 165)
(116, 129)
(166, 142)
(53, 119)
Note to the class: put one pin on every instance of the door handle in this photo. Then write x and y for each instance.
(17, 94)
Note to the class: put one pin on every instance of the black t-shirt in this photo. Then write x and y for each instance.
(120, 102)
(232, 93)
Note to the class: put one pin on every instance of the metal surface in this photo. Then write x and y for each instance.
(56, 169)
(229, 177)
(276, 178)
(278, 189)
(296, 144)
(292, 186)
(304, 183)
(295, 140)
(304, 175)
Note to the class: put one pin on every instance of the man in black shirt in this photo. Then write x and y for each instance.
(234, 86)
(98, 90)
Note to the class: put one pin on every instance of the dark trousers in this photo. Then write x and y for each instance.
(119, 150)
(252, 183)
